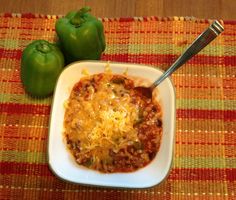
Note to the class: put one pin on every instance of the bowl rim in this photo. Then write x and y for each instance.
(104, 185)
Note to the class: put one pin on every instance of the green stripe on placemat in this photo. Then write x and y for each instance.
(205, 104)
(23, 156)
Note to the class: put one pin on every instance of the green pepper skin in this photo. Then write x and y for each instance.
(41, 64)
(81, 36)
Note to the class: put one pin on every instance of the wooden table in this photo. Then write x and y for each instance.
(207, 9)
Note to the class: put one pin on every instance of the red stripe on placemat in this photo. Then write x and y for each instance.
(207, 114)
(176, 174)
(10, 54)
(27, 28)
(168, 58)
(12, 108)
(27, 15)
(26, 137)
(181, 113)
(24, 168)
(231, 22)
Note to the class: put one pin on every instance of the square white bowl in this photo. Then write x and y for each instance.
(62, 163)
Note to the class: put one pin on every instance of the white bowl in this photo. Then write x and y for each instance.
(62, 163)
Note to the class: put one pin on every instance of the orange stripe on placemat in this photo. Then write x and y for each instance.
(176, 174)
(12, 108)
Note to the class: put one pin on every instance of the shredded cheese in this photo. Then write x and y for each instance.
(100, 123)
(85, 72)
(106, 117)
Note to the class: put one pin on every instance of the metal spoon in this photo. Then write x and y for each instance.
(198, 44)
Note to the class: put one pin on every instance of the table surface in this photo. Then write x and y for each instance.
(117, 8)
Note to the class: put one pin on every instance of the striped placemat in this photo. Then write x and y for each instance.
(204, 163)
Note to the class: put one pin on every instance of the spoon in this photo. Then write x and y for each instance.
(198, 44)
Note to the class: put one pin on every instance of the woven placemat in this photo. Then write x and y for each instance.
(204, 163)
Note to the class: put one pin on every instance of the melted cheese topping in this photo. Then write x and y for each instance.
(105, 118)
(100, 119)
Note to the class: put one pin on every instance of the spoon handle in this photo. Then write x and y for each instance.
(198, 44)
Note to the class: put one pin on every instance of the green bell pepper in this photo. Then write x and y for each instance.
(81, 36)
(41, 64)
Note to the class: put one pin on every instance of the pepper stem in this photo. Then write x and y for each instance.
(43, 47)
(79, 16)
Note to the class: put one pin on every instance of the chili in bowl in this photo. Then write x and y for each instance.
(103, 132)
